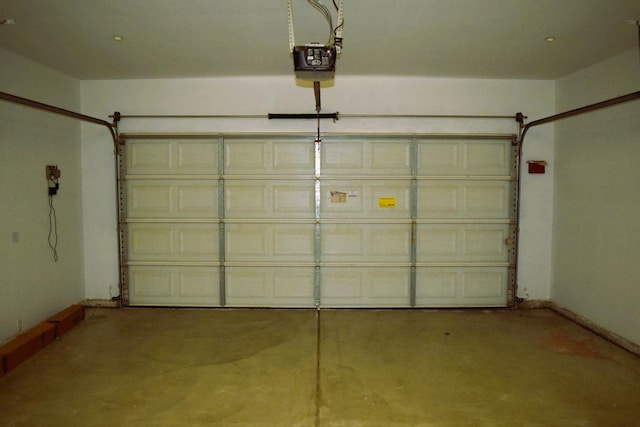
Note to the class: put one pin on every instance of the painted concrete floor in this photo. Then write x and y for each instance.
(162, 367)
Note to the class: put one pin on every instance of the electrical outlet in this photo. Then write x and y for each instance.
(53, 172)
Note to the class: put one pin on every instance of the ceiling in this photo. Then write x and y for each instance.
(206, 38)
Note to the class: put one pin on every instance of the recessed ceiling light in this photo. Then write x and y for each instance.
(550, 39)
(118, 38)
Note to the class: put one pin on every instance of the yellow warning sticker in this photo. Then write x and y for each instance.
(386, 202)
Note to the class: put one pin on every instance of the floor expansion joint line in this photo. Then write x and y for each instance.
(317, 416)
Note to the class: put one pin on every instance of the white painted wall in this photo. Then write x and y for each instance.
(596, 243)
(32, 285)
(349, 95)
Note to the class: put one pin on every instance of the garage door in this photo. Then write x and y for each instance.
(354, 221)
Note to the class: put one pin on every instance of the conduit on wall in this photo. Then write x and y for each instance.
(582, 110)
(72, 114)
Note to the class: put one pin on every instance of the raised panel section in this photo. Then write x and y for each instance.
(245, 156)
(365, 286)
(462, 242)
(487, 158)
(366, 242)
(149, 157)
(270, 286)
(438, 158)
(486, 284)
(463, 199)
(268, 157)
(173, 242)
(464, 158)
(362, 199)
(269, 242)
(375, 157)
(257, 199)
(487, 200)
(197, 157)
(182, 157)
(174, 285)
(150, 242)
(154, 199)
(150, 199)
(461, 286)
(197, 200)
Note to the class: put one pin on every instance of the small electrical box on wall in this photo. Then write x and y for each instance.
(53, 176)
(537, 166)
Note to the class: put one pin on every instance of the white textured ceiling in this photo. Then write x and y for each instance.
(201, 38)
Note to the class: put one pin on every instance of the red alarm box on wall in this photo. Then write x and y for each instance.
(536, 166)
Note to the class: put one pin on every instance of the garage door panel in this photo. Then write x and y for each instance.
(464, 158)
(270, 286)
(150, 242)
(199, 285)
(150, 199)
(461, 286)
(365, 221)
(365, 286)
(197, 157)
(269, 199)
(173, 285)
(388, 157)
(292, 199)
(153, 199)
(157, 157)
(434, 285)
(197, 200)
(295, 157)
(484, 284)
(462, 242)
(149, 157)
(366, 242)
(488, 243)
(366, 199)
(199, 242)
(487, 158)
(250, 157)
(270, 242)
(243, 157)
(465, 199)
(487, 200)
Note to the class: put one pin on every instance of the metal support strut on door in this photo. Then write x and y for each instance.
(316, 91)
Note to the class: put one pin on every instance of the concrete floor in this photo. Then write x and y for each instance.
(161, 367)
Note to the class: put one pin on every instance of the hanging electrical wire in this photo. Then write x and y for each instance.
(327, 14)
(53, 229)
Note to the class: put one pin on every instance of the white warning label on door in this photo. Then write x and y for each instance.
(342, 196)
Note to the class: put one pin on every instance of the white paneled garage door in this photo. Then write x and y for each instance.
(355, 221)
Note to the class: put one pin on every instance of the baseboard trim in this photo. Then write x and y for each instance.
(101, 303)
(584, 322)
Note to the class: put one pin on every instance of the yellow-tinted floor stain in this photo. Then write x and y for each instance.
(168, 367)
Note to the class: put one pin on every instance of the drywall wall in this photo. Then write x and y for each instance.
(348, 95)
(32, 285)
(596, 272)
